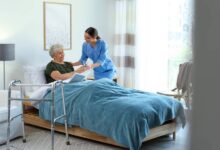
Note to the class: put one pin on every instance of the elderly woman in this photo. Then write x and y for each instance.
(58, 69)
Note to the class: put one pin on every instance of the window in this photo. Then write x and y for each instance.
(163, 35)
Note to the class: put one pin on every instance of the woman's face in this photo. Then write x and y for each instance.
(89, 39)
(59, 56)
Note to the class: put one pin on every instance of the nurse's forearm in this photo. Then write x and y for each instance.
(95, 65)
(76, 63)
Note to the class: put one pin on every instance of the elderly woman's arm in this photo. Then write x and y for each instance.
(56, 75)
(76, 63)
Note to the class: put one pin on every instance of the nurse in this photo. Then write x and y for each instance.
(96, 49)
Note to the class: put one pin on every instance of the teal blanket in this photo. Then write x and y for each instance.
(104, 107)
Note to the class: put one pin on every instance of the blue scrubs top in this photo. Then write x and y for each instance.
(99, 54)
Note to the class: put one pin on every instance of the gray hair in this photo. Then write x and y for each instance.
(55, 48)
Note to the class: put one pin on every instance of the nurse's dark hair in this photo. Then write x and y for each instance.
(93, 32)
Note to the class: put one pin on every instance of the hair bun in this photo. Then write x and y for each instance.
(93, 32)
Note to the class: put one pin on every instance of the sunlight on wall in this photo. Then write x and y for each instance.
(5, 34)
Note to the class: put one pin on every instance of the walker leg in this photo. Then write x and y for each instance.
(23, 130)
(174, 136)
(65, 117)
(52, 117)
(9, 120)
(52, 136)
(22, 117)
(66, 131)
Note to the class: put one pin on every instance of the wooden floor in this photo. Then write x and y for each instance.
(39, 139)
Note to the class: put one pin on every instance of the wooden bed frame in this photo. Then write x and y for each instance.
(31, 118)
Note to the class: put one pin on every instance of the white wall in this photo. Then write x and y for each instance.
(21, 22)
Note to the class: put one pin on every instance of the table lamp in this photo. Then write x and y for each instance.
(7, 53)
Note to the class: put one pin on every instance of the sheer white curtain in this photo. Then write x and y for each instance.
(124, 41)
(151, 39)
(152, 33)
(162, 42)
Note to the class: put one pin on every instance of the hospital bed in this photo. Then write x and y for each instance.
(31, 117)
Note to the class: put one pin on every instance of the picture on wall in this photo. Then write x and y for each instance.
(57, 25)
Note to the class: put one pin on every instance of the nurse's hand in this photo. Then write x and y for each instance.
(86, 68)
(82, 69)
(92, 66)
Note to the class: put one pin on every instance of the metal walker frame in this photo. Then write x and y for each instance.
(53, 85)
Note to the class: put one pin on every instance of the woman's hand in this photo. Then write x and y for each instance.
(83, 69)
(87, 67)
(92, 66)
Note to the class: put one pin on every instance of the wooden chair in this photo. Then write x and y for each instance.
(184, 86)
(173, 93)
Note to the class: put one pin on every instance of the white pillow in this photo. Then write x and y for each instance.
(39, 94)
(33, 75)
